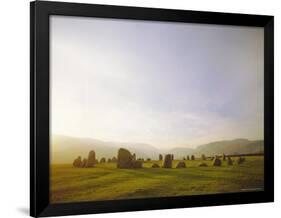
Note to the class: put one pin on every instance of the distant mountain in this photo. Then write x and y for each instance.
(236, 146)
(64, 148)
(181, 152)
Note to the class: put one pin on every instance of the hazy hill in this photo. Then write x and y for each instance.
(64, 149)
(242, 146)
(181, 152)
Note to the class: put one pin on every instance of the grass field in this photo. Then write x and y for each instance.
(106, 182)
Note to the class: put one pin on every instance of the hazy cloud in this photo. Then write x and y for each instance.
(167, 84)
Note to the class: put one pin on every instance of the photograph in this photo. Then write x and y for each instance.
(147, 109)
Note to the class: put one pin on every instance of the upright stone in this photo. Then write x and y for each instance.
(229, 161)
(203, 157)
(240, 160)
(77, 162)
(134, 157)
(136, 164)
(91, 159)
(124, 158)
(217, 162)
(84, 162)
(167, 161)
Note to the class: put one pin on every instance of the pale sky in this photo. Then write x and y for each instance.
(162, 83)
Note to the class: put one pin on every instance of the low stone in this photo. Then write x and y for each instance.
(202, 165)
(181, 164)
(155, 165)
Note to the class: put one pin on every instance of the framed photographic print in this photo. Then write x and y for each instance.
(144, 108)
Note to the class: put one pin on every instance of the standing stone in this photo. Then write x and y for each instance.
(187, 157)
(136, 164)
(134, 157)
(148, 159)
(114, 159)
(192, 157)
(172, 157)
(108, 160)
(77, 162)
(102, 160)
(167, 161)
(203, 157)
(181, 164)
(223, 157)
(160, 157)
(183, 158)
(84, 163)
(240, 160)
(126, 160)
(229, 161)
(91, 159)
(217, 162)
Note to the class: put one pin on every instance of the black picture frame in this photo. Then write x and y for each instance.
(39, 107)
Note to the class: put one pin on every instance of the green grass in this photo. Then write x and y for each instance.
(106, 182)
